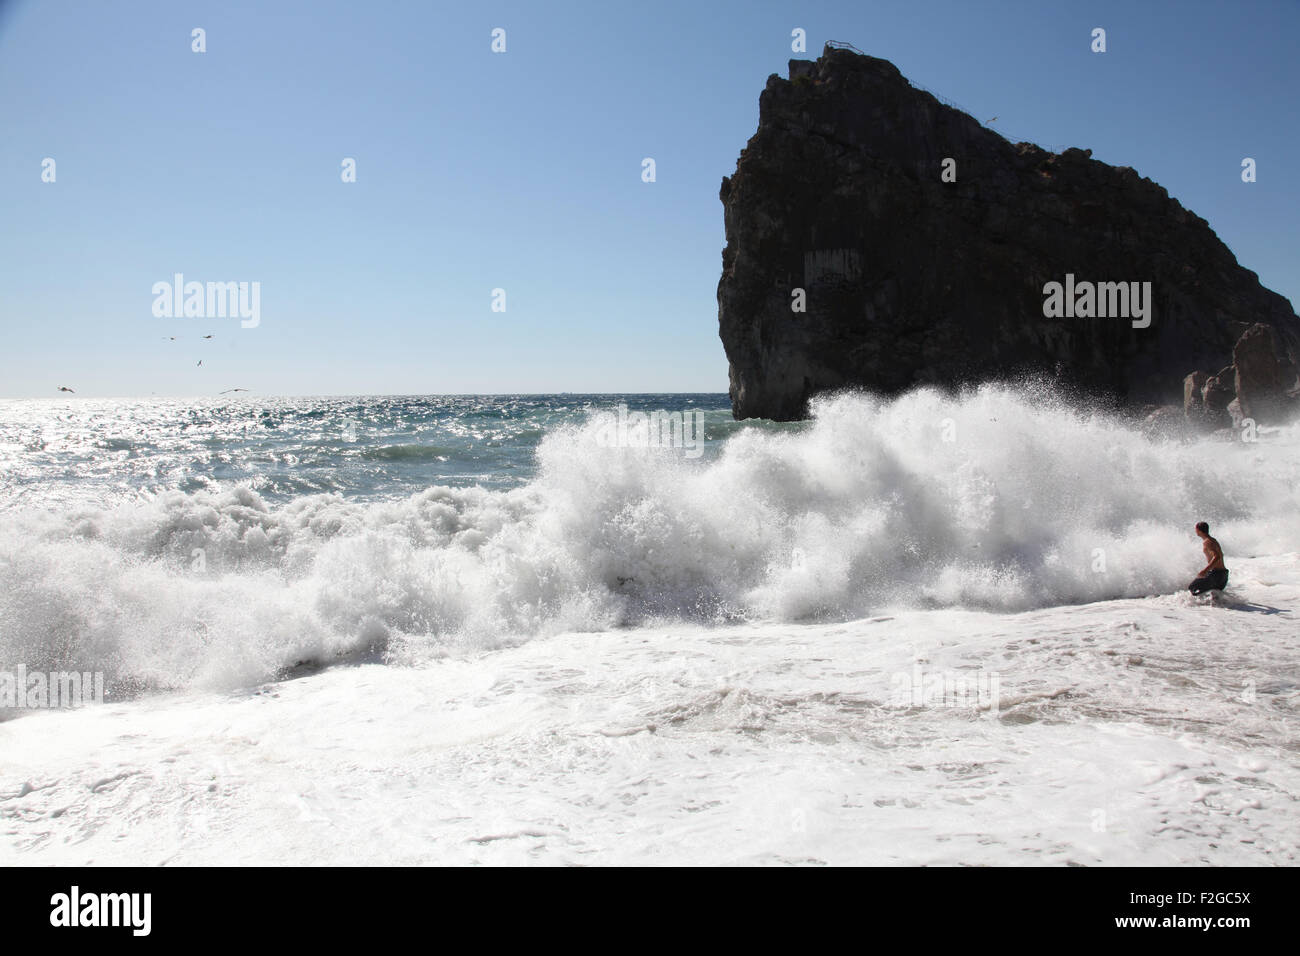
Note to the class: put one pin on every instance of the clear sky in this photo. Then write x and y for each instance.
(522, 171)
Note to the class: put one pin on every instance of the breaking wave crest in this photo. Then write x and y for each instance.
(999, 499)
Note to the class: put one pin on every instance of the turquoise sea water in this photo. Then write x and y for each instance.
(365, 448)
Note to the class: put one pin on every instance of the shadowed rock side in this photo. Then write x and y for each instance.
(911, 280)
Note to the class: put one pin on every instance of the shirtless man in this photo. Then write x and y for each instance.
(1214, 576)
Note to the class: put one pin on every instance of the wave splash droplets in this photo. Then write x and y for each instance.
(1000, 499)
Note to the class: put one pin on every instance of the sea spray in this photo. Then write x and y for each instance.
(998, 499)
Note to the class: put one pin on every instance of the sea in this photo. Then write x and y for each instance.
(935, 628)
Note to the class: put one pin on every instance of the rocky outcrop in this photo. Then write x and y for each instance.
(1264, 381)
(840, 197)
(1219, 390)
(1195, 410)
(1193, 386)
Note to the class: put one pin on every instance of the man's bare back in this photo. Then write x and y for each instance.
(1213, 554)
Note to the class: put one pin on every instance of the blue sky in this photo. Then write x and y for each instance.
(522, 171)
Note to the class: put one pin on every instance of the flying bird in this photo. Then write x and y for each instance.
(200, 363)
(232, 390)
(207, 336)
(992, 121)
(64, 388)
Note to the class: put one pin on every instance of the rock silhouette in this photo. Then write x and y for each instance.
(909, 279)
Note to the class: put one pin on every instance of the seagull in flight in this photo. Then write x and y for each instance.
(64, 388)
(207, 336)
(232, 390)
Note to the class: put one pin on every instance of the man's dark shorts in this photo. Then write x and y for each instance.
(1216, 580)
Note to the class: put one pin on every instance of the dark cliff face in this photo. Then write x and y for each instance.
(912, 280)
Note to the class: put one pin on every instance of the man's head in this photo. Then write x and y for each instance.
(1203, 529)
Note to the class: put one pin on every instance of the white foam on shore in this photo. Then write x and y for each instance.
(1155, 731)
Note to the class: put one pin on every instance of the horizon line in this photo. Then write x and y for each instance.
(74, 395)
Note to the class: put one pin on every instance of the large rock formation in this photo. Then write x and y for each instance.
(1262, 380)
(910, 279)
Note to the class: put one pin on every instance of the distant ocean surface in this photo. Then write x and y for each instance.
(366, 448)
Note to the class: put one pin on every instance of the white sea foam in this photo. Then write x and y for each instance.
(865, 508)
